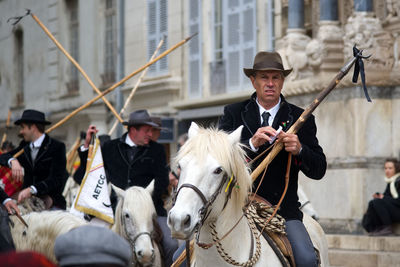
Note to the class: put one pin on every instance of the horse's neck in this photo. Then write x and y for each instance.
(237, 243)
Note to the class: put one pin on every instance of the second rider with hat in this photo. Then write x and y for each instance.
(135, 160)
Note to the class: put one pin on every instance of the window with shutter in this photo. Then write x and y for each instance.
(157, 17)
(237, 30)
(195, 55)
(110, 51)
(73, 83)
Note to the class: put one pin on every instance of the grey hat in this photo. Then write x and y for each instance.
(157, 120)
(92, 245)
(139, 117)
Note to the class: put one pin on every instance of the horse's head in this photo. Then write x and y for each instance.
(134, 221)
(214, 180)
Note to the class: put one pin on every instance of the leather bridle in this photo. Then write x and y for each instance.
(132, 241)
(204, 211)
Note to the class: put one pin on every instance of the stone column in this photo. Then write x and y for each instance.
(330, 35)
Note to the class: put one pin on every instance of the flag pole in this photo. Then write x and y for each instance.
(87, 104)
(76, 64)
(133, 91)
(7, 127)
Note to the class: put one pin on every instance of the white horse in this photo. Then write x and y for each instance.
(133, 221)
(208, 161)
(305, 203)
(135, 217)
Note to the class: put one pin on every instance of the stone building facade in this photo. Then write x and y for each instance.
(315, 38)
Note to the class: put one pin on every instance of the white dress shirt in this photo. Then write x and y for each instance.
(272, 111)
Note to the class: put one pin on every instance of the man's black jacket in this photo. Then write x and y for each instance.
(311, 161)
(48, 173)
(149, 163)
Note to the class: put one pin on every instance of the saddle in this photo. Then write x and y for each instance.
(278, 241)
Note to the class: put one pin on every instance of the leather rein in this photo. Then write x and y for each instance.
(205, 210)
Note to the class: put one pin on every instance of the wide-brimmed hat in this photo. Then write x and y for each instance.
(267, 61)
(139, 117)
(157, 120)
(34, 116)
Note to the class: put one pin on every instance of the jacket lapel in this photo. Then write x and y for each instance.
(122, 150)
(250, 116)
(27, 154)
(284, 117)
(142, 151)
(43, 148)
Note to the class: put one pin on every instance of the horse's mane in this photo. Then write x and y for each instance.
(231, 157)
(137, 199)
(43, 229)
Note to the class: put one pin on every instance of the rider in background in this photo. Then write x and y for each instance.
(135, 160)
(262, 115)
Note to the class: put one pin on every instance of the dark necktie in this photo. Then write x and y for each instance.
(131, 153)
(265, 115)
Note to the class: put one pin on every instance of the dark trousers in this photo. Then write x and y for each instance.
(169, 244)
(303, 249)
(6, 242)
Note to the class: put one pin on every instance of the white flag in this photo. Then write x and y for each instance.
(93, 197)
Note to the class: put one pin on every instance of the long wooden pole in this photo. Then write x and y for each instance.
(76, 64)
(7, 126)
(135, 88)
(73, 113)
(303, 117)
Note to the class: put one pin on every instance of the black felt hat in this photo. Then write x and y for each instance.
(34, 116)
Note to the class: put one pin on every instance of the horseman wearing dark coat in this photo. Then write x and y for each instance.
(42, 165)
(261, 116)
(135, 160)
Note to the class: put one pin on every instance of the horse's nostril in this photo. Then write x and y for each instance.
(140, 253)
(169, 219)
(186, 222)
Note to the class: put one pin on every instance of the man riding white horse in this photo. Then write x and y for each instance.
(262, 115)
(135, 160)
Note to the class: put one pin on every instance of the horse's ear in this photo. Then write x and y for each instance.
(234, 137)
(150, 187)
(119, 191)
(193, 130)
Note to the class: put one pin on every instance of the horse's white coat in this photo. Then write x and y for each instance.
(137, 201)
(45, 226)
(199, 160)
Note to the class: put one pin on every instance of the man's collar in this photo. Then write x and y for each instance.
(129, 141)
(38, 142)
(272, 111)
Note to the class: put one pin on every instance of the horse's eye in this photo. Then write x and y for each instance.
(218, 170)
(127, 215)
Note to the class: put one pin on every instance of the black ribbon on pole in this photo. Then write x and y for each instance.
(18, 18)
(359, 70)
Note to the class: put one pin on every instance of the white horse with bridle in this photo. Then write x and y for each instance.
(212, 191)
(134, 217)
